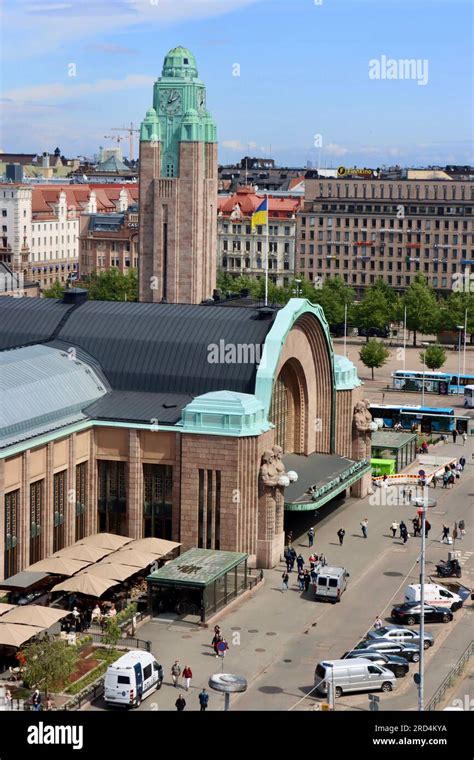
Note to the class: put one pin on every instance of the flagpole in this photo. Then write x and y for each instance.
(465, 342)
(266, 253)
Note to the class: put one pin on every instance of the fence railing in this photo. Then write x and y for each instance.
(453, 674)
(127, 641)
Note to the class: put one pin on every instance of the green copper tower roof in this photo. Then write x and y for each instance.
(181, 63)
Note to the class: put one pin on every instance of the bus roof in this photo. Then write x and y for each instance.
(415, 409)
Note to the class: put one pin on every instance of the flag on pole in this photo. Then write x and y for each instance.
(260, 215)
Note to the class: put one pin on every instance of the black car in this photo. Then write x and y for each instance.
(398, 665)
(409, 652)
(410, 613)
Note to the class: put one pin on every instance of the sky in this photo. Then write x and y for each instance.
(296, 80)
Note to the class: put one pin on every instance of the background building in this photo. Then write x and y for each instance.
(178, 188)
(363, 230)
(109, 240)
(241, 251)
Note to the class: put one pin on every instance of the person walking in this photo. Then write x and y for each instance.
(394, 528)
(341, 533)
(445, 479)
(300, 562)
(405, 534)
(445, 536)
(187, 675)
(416, 526)
(462, 529)
(310, 537)
(402, 527)
(434, 480)
(455, 435)
(462, 462)
(284, 581)
(292, 559)
(8, 700)
(364, 526)
(180, 703)
(203, 700)
(301, 580)
(378, 623)
(409, 495)
(427, 528)
(175, 672)
(464, 438)
(307, 579)
(36, 700)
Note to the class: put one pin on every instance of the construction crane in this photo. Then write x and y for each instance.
(131, 130)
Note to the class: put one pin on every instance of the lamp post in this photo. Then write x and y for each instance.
(422, 505)
(459, 328)
(424, 368)
(296, 290)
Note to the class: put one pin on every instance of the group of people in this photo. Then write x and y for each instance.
(80, 620)
(186, 673)
(404, 534)
(203, 697)
(306, 575)
(35, 701)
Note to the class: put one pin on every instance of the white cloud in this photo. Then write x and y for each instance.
(238, 145)
(73, 90)
(335, 150)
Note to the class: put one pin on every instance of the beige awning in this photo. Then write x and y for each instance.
(14, 635)
(87, 584)
(158, 546)
(131, 557)
(84, 552)
(34, 614)
(58, 566)
(6, 607)
(106, 540)
(112, 571)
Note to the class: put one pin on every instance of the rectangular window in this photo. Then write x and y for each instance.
(81, 499)
(201, 510)
(112, 497)
(12, 502)
(59, 501)
(209, 510)
(158, 500)
(36, 516)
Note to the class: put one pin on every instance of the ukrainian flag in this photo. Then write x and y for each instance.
(260, 216)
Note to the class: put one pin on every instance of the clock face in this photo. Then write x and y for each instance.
(170, 102)
(201, 101)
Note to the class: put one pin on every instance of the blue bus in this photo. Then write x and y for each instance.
(442, 383)
(427, 418)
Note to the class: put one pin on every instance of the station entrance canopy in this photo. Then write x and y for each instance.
(321, 477)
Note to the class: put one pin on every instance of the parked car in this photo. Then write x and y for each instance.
(374, 332)
(410, 613)
(131, 678)
(331, 583)
(398, 665)
(410, 652)
(404, 635)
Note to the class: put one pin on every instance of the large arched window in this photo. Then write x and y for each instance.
(288, 407)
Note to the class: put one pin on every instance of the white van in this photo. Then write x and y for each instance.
(331, 583)
(131, 678)
(353, 675)
(436, 595)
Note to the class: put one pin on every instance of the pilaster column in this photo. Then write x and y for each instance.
(47, 518)
(70, 516)
(135, 486)
(24, 520)
(92, 495)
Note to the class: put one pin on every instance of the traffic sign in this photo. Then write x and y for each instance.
(374, 698)
(222, 646)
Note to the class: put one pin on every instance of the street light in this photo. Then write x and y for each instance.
(422, 505)
(296, 290)
(424, 368)
(459, 328)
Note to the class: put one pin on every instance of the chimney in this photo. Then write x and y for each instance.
(75, 296)
(45, 162)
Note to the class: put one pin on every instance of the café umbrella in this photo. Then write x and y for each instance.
(59, 566)
(14, 634)
(6, 607)
(34, 614)
(156, 545)
(106, 540)
(112, 571)
(83, 552)
(87, 584)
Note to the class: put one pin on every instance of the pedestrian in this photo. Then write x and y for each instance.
(409, 495)
(364, 526)
(394, 528)
(314, 576)
(445, 480)
(290, 537)
(288, 565)
(310, 536)
(36, 700)
(462, 529)
(307, 579)
(8, 700)
(405, 534)
(180, 703)
(284, 581)
(223, 649)
(292, 559)
(301, 580)
(322, 560)
(455, 435)
(49, 705)
(312, 560)
(403, 493)
(403, 527)
(464, 438)
(445, 535)
(203, 700)
(451, 480)
(462, 462)
(378, 623)
(300, 562)
(434, 480)
(341, 533)
(427, 528)
(187, 675)
(416, 526)
(175, 672)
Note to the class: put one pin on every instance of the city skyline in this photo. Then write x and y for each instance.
(332, 82)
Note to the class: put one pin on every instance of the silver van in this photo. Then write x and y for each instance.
(331, 583)
(353, 675)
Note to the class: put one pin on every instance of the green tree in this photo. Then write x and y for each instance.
(55, 291)
(434, 357)
(423, 311)
(374, 311)
(453, 311)
(333, 295)
(112, 633)
(112, 285)
(49, 663)
(374, 354)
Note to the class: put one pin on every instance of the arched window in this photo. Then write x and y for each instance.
(288, 407)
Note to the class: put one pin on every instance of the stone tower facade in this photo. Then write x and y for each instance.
(178, 188)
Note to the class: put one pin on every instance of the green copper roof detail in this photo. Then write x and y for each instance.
(150, 128)
(209, 128)
(180, 63)
(345, 374)
(224, 413)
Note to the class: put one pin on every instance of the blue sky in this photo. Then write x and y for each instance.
(304, 71)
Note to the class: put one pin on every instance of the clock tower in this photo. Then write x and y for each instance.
(178, 188)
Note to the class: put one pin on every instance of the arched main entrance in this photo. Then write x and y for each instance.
(288, 407)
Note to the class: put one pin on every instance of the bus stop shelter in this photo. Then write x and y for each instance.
(400, 447)
(199, 582)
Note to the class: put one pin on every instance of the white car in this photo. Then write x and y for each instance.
(403, 635)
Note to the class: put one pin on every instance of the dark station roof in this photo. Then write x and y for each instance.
(145, 348)
(129, 406)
